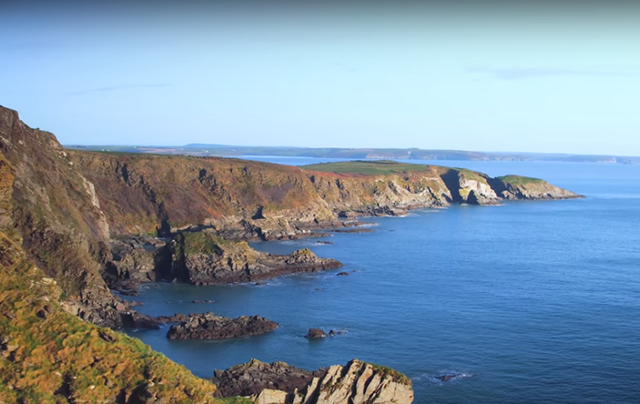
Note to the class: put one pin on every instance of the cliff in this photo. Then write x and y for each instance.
(57, 215)
(46, 354)
(246, 200)
(526, 188)
(278, 383)
(140, 193)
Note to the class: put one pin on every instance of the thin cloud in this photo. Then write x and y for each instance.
(522, 73)
(115, 88)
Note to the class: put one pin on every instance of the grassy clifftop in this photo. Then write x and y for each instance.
(50, 356)
(376, 167)
(519, 180)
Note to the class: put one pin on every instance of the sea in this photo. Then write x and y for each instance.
(530, 301)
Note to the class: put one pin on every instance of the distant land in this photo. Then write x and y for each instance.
(199, 149)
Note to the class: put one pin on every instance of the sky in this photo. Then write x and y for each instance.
(555, 77)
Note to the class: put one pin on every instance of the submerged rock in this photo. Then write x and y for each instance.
(211, 326)
(452, 376)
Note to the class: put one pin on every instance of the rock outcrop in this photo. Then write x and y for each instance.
(315, 333)
(278, 383)
(250, 379)
(211, 326)
(204, 259)
(525, 188)
(134, 261)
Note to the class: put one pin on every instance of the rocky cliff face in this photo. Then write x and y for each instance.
(57, 214)
(46, 354)
(245, 200)
(525, 188)
(278, 383)
(140, 193)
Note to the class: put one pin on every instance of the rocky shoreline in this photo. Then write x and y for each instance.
(76, 226)
(200, 258)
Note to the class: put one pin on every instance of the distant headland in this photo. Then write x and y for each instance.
(201, 149)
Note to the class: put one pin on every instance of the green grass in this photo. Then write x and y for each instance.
(519, 180)
(394, 374)
(235, 400)
(472, 175)
(202, 243)
(377, 167)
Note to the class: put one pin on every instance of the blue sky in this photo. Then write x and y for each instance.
(550, 77)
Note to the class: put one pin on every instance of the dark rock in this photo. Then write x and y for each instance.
(210, 326)
(315, 333)
(333, 333)
(44, 312)
(354, 230)
(238, 263)
(133, 319)
(106, 335)
(342, 274)
(451, 376)
(176, 318)
(253, 377)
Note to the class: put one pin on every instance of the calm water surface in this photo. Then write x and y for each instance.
(540, 301)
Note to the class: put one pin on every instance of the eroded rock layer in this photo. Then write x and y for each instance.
(278, 383)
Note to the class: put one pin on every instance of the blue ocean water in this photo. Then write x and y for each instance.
(539, 301)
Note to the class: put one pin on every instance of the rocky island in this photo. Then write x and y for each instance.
(210, 326)
(75, 226)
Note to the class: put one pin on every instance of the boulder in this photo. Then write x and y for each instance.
(315, 333)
